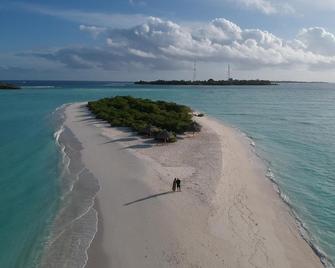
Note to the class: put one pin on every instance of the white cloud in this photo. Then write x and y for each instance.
(100, 19)
(318, 40)
(164, 45)
(313, 5)
(141, 53)
(137, 3)
(296, 7)
(263, 6)
(93, 30)
(267, 7)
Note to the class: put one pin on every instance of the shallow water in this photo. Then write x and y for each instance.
(293, 126)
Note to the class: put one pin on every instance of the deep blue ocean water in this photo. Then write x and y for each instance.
(293, 126)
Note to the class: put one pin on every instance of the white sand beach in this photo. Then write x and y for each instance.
(227, 214)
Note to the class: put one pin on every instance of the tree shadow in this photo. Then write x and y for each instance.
(124, 129)
(148, 197)
(138, 146)
(83, 106)
(89, 119)
(121, 139)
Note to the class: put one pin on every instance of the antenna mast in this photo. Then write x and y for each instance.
(229, 75)
(195, 70)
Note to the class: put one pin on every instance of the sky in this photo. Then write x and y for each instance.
(127, 40)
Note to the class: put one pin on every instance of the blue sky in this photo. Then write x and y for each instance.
(152, 39)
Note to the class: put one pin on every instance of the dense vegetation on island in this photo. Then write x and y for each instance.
(209, 82)
(8, 86)
(158, 119)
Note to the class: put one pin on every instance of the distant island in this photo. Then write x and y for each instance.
(299, 82)
(8, 86)
(209, 82)
(156, 119)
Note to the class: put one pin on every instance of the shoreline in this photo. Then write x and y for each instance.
(97, 256)
(211, 205)
(75, 224)
(298, 222)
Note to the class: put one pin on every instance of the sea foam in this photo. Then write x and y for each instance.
(75, 225)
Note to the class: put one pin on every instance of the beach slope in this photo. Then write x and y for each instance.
(227, 215)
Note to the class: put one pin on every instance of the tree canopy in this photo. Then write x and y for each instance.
(145, 116)
(8, 86)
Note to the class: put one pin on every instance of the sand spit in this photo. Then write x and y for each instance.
(227, 215)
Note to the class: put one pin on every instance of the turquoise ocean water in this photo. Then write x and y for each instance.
(292, 125)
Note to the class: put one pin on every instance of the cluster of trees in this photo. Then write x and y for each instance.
(209, 82)
(8, 86)
(159, 119)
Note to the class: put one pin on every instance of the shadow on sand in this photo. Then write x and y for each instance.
(138, 146)
(121, 139)
(148, 197)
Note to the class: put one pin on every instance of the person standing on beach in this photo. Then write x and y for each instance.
(178, 185)
(174, 184)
